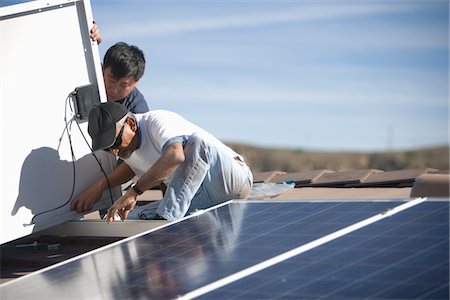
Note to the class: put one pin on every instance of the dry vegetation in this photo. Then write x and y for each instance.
(266, 159)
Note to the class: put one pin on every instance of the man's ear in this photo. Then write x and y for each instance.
(132, 123)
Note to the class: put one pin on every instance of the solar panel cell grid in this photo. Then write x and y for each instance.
(404, 255)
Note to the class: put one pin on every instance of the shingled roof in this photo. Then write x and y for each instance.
(424, 182)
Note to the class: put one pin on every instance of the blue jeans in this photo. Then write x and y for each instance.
(209, 175)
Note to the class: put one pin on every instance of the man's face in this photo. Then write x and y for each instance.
(125, 142)
(117, 88)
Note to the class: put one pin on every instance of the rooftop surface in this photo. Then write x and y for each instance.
(42, 249)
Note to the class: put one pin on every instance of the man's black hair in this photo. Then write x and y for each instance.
(125, 60)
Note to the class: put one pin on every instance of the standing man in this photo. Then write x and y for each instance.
(123, 66)
(161, 146)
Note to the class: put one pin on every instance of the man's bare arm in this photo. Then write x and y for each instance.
(161, 170)
(85, 201)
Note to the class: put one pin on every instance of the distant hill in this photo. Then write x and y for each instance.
(270, 159)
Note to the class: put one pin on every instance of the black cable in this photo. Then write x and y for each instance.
(95, 156)
(65, 118)
(67, 128)
(99, 163)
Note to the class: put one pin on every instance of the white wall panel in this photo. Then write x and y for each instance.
(46, 53)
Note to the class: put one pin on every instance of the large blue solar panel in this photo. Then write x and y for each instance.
(190, 254)
(405, 256)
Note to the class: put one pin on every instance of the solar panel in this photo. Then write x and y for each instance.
(260, 249)
(400, 257)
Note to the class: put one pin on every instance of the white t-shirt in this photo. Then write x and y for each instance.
(156, 128)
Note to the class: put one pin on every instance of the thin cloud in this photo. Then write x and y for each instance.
(382, 94)
(307, 14)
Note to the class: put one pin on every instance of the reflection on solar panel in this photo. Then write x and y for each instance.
(257, 250)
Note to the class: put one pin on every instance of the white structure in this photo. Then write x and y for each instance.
(46, 53)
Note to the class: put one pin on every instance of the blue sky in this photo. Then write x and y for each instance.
(316, 75)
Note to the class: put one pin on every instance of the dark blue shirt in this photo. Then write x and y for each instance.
(135, 102)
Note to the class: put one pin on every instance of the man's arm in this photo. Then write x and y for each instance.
(88, 198)
(161, 170)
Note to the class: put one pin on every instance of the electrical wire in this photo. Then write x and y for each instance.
(67, 129)
(99, 163)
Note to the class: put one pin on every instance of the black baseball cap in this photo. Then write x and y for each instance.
(102, 123)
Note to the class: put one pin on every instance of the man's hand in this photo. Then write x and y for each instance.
(95, 33)
(122, 206)
(85, 201)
